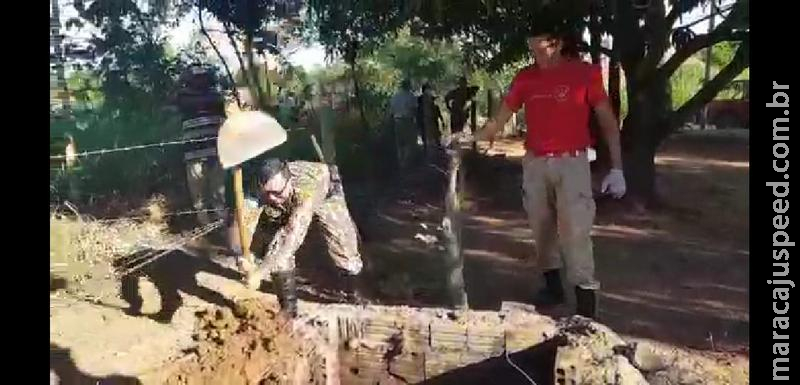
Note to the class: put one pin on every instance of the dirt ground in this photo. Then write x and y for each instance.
(677, 275)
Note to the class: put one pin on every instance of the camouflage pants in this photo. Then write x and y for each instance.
(206, 182)
(339, 233)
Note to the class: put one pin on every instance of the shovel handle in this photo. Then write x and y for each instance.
(238, 192)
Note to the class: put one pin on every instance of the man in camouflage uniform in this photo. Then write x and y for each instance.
(290, 195)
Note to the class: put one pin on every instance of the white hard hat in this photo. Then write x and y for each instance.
(246, 135)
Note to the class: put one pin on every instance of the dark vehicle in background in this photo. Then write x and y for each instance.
(731, 108)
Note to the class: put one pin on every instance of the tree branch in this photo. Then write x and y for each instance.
(628, 41)
(710, 90)
(725, 31)
(219, 55)
(656, 34)
(698, 43)
(673, 15)
(238, 53)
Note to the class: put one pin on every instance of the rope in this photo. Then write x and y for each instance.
(137, 147)
(508, 358)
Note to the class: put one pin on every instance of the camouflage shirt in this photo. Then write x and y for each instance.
(278, 232)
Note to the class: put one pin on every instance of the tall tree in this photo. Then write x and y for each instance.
(245, 23)
(651, 49)
(351, 28)
(647, 42)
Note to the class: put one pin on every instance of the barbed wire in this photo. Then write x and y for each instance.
(138, 262)
(130, 148)
(173, 214)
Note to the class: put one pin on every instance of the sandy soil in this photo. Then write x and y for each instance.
(677, 276)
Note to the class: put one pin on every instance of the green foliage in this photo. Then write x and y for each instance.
(723, 53)
(121, 102)
(686, 81)
(244, 21)
(344, 27)
(492, 34)
(421, 61)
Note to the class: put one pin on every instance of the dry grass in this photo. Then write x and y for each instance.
(82, 247)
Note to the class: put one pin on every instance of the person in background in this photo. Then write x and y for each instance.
(403, 109)
(202, 109)
(428, 117)
(558, 93)
(457, 102)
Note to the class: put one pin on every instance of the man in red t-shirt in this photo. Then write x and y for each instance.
(559, 92)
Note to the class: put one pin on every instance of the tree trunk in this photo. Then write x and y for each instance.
(252, 73)
(221, 58)
(360, 101)
(601, 164)
(473, 121)
(649, 111)
(639, 162)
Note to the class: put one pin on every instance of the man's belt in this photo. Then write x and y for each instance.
(558, 154)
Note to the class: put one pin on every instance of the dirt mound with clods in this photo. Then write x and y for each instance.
(250, 344)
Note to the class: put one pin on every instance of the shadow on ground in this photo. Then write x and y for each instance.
(678, 274)
(172, 273)
(67, 373)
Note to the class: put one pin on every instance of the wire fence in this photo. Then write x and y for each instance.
(137, 262)
(130, 148)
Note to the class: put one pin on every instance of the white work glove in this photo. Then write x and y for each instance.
(614, 183)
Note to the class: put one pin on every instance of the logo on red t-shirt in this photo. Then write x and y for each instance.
(562, 91)
(558, 102)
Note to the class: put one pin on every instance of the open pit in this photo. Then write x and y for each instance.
(333, 344)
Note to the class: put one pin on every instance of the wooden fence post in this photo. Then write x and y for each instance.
(454, 257)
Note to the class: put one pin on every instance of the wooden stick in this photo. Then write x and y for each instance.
(318, 149)
(238, 191)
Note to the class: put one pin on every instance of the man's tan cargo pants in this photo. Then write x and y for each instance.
(557, 197)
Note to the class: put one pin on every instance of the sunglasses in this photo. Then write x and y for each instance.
(277, 193)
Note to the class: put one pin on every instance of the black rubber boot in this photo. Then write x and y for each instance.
(553, 292)
(586, 302)
(287, 292)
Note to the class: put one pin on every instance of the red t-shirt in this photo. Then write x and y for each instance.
(558, 103)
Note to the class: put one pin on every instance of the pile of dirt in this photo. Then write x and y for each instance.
(247, 345)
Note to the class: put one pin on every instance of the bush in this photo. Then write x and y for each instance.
(137, 172)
